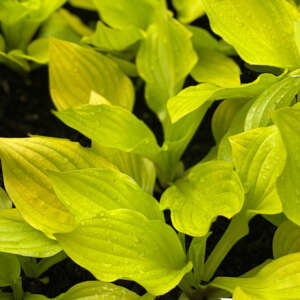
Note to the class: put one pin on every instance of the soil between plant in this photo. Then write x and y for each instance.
(25, 108)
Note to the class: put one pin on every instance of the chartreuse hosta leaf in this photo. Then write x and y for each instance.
(194, 97)
(142, 170)
(76, 71)
(188, 10)
(18, 237)
(288, 122)
(259, 158)
(123, 13)
(25, 162)
(124, 244)
(277, 280)
(94, 290)
(5, 201)
(113, 39)
(159, 60)
(262, 32)
(10, 269)
(280, 94)
(113, 127)
(207, 191)
(87, 192)
(286, 239)
(6, 296)
(216, 68)
(19, 27)
(85, 4)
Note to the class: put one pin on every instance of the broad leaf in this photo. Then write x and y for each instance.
(286, 239)
(278, 95)
(5, 201)
(124, 244)
(18, 237)
(216, 68)
(88, 192)
(124, 13)
(207, 191)
(159, 61)
(10, 269)
(111, 39)
(275, 281)
(188, 10)
(259, 158)
(288, 122)
(25, 162)
(194, 97)
(262, 32)
(113, 127)
(76, 71)
(6, 296)
(98, 290)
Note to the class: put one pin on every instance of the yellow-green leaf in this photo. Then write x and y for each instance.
(10, 269)
(159, 61)
(5, 201)
(76, 71)
(288, 122)
(278, 280)
(124, 244)
(18, 237)
(262, 32)
(88, 192)
(188, 10)
(25, 162)
(259, 157)
(113, 39)
(207, 191)
(216, 68)
(286, 239)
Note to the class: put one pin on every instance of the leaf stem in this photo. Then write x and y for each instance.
(237, 229)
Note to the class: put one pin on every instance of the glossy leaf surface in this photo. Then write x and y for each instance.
(76, 71)
(259, 157)
(25, 162)
(18, 237)
(206, 191)
(124, 244)
(262, 32)
(88, 192)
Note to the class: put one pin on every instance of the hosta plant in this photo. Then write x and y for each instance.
(95, 204)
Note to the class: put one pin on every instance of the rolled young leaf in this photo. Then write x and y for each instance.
(207, 191)
(76, 71)
(262, 32)
(159, 60)
(18, 237)
(259, 158)
(288, 122)
(88, 192)
(124, 244)
(25, 162)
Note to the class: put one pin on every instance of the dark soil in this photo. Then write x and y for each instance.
(25, 107)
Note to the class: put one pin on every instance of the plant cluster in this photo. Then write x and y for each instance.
(95, 204)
